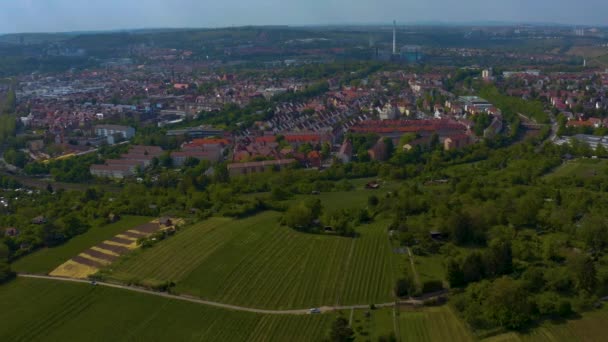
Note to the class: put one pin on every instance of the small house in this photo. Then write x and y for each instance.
(372, 185)
(436, 235)
(39, 220)
(112, 218)
(165, 221)
(11, 232)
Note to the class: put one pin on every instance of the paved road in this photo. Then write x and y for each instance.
(210, 303)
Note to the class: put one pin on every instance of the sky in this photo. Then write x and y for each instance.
(17, 16)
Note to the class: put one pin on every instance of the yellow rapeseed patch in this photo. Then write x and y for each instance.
(104, 251)
(72, 269)
(126, 237)
(129, 246)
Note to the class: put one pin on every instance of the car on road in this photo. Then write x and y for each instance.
(94, 283)
(315, 311)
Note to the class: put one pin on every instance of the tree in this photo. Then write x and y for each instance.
(508, 304)
(6, 273)
(499, 258)
(373, 200)
(220, 173)
(473, 267)
(340, 331)
(594, 232)
(315, 206)
(455, 276)
(299, 216)
(17, 158)
(434, 144)
(584, 272)
(390, 147)
(191, 162)
(278, 193)
(402, 287)
(326, 150)
(165, 160)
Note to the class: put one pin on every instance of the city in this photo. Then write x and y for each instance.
(383, 181)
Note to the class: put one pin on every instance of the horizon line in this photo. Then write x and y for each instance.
(428, 23)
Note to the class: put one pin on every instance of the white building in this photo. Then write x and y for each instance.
(114, 132)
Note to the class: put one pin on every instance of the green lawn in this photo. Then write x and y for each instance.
(42, 310)
(255, 262)
(590, 327)
(581, 167)
(47, 259)
(379, 323)
(432, 324)
(356, 198)
(340, 199)
(430, 267)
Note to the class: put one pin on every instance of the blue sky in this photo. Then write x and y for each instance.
(76, 15)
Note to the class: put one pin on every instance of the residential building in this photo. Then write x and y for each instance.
(238, 169)
(114, 133)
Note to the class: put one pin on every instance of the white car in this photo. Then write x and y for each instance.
(315, 311)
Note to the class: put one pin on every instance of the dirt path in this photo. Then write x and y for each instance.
(416, 278)
(210, 303)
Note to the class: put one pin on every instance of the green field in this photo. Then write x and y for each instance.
(582, 168)
(430, 267)
(433, 324)
(257, 263)
(36, 310)
(47, 259)
(590, 327)
(340, 199)
(356, 198)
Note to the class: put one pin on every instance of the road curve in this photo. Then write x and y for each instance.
(207, 302)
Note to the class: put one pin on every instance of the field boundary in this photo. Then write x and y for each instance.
(324, 309)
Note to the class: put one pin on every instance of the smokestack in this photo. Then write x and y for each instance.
(394, 37)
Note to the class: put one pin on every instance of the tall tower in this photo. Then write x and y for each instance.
(394, 37)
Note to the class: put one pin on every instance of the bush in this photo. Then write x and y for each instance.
(564, 309)
(431, 286)
(402, 288)
(6, 273)
(156, 285)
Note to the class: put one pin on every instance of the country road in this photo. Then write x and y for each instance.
(210, 303)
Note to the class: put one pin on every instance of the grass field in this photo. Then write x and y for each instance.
(341, 199)
(433, 324)
(58, 311)
(255, 262)
(430, 267)
(46, 260)
(582, 168)
(590, 327)
(371, 327)
(356, 198)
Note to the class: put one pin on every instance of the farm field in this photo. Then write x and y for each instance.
(58, 311)
(257, 263)
(47, 259)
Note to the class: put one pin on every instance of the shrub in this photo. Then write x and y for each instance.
(402, 288)
(431, 286)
